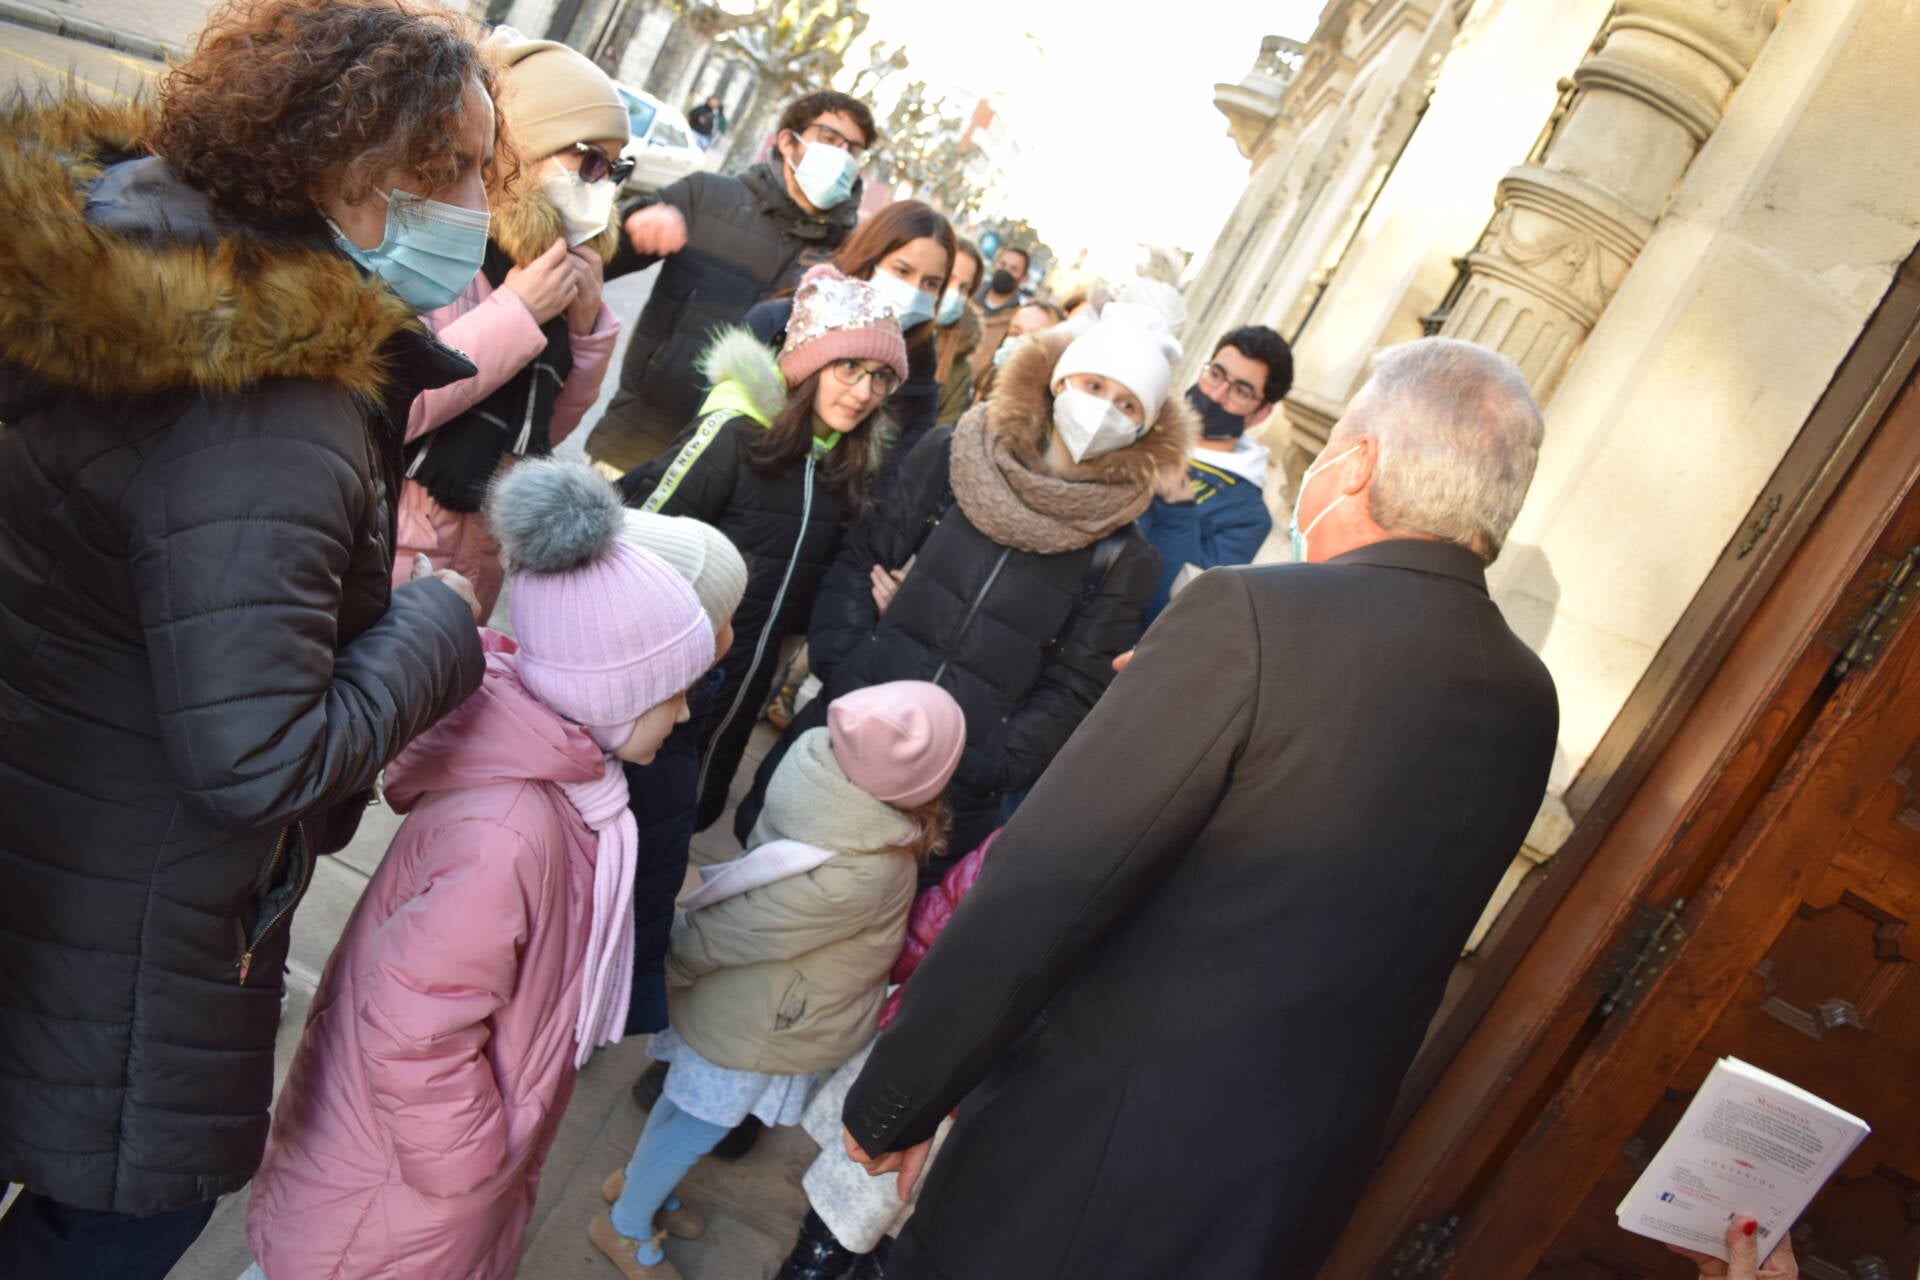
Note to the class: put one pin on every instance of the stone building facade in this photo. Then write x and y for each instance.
(1675, 215)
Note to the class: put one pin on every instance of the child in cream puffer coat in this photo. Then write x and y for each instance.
(779, 966)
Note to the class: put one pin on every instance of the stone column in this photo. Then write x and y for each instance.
(1569, 224)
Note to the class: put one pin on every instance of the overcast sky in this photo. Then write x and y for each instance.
(1123, 142)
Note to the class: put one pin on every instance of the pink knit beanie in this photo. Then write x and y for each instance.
(898, 742)
(606, 630)
(835, 318)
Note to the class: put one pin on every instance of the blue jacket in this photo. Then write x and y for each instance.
(1225, 524)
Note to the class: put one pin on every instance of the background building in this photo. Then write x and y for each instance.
(1691, 222)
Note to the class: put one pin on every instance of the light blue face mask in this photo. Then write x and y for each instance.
(430, 251)
(953, 305)
(1295, 534)
(824, 174)
(910, 305)
(1004, 350)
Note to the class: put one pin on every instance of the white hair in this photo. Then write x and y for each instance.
(1458, 433)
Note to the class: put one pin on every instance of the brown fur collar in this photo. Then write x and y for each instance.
(526, 224)
(1013, 495)
(1020, 411)
(108, 314)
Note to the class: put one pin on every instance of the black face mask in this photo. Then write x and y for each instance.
(1002, 282)
(1216, 421)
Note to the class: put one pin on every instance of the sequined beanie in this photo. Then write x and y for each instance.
(836, 318)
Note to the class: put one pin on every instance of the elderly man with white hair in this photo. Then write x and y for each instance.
(1176, 1007)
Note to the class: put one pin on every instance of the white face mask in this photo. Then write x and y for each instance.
(585, 207)
(910, 305)
(1090, 426)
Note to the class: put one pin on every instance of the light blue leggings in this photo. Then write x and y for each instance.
(671, 1144)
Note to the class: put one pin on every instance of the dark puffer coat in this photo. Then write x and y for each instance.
(1024, 641)
(787, 526)
(746, 239)
(200, 667)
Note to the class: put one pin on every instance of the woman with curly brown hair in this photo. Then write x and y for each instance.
(208, 343)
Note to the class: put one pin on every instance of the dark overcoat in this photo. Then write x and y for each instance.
(1179, 1001)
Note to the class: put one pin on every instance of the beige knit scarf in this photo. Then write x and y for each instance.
(1006, 490)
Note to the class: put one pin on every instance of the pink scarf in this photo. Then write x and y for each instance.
(608, 985)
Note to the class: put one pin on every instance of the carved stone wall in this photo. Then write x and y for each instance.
(1568, 226)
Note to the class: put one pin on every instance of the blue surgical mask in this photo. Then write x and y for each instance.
(1005, 349)
(911, 306)
(1295, 534)
(430, 252)
(953, 305)
(824, 174)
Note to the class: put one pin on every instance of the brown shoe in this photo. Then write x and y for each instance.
(684, 1223)
(625, 1253)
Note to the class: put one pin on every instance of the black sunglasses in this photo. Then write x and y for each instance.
(594, 164)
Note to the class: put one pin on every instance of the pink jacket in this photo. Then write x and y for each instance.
(438, 1057)
(931, 911)
(499, 335)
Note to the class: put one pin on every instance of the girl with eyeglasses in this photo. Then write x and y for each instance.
(532, 320)
(907, 252)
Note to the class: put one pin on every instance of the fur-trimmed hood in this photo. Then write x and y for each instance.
(1010, 491)
(526, 224)
(745, 376)
(1020, 412)
(118, 279)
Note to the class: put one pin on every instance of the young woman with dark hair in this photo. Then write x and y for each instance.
(780, 460)
(907, 252)
(208, 344)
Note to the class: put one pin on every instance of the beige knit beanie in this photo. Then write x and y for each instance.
(554, 97)
(698, 552)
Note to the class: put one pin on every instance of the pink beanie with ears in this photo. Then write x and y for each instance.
(898, 742)
(836, 318)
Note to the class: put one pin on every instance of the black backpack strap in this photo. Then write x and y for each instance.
(1106, 554)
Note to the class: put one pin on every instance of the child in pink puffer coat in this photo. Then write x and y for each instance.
(492, 951)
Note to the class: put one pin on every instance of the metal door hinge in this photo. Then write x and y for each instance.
(1887, 603)
(1426, 1251)
(1640, 956)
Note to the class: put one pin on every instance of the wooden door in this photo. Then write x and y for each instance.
(1800, 962)
(1833, 1006)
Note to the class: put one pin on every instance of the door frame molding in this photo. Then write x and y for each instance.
(1732, 692)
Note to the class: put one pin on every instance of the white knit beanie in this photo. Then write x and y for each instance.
(1132, 345)
(698, 552)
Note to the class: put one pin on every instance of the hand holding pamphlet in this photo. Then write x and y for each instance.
(1750, 1144)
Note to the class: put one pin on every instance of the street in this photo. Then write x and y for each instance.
(31, 58)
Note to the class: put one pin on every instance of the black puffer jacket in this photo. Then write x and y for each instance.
(788, 528)
(1024, 641)
(199, 662)
(746, 239)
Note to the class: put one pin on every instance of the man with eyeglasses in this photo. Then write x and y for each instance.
(1220, 515)
(726, 241)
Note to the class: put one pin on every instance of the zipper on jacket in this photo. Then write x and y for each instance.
(760, 645)
(973, 608)
(286, 909)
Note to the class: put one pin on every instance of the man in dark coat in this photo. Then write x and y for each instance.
(727, 243)
(1176, 1007)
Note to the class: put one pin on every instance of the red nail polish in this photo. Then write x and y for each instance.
(1749, 1228)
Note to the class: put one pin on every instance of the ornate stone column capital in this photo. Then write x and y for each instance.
(1567, 229)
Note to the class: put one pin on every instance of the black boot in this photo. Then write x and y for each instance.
(873, 1266)
(816, 1255)
(647, 1089)
(740, 1141)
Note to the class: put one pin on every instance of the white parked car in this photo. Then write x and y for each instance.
(662, 147)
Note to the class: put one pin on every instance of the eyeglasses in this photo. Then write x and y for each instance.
(832, 137)
(594, 164)
(1242, 397)
(851, 373)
